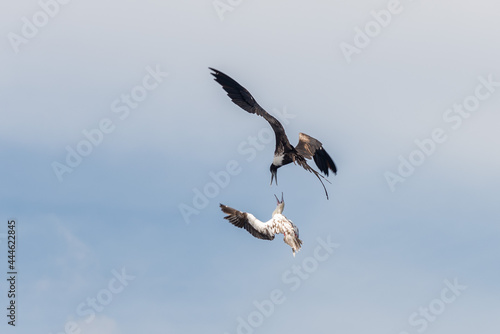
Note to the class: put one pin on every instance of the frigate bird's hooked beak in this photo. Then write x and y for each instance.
(274, 174)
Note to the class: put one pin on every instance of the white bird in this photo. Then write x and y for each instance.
(266, 230)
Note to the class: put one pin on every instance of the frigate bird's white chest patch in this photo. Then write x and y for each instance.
(278, 160)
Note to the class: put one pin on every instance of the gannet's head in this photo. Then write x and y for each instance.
(280, 205)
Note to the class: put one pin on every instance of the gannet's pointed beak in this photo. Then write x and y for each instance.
(277, 200)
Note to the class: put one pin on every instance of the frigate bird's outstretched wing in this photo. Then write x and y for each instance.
(247, 221)
(310, 147)
(242, 97)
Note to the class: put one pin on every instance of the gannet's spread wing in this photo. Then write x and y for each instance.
(247, 221)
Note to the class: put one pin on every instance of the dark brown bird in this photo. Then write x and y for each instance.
(307, 148)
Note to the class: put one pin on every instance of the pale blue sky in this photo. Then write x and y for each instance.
(112, 233)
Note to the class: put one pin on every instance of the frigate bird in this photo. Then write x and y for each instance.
(284, 153)
(266, 230)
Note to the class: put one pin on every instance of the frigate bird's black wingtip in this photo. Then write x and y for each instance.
(221, 76)
(214, 72)
(324, 161)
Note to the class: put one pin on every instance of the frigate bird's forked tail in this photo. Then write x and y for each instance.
(303, 163)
